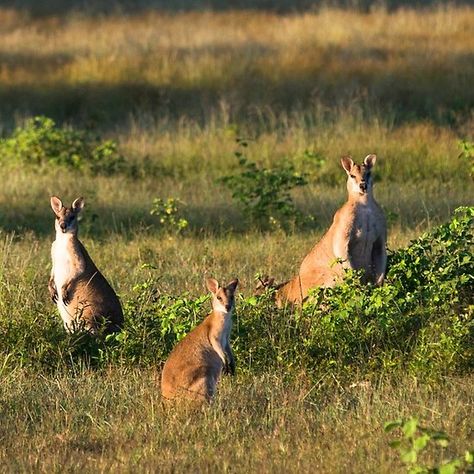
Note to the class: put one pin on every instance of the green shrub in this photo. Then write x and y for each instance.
(420, 322)
(40, 142)
(154, 323)
(169, 215)
(415, 440)
(264, 194)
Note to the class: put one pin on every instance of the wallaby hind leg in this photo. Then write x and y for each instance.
(379, 261)
(201, 390)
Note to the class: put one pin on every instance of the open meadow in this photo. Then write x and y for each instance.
(143, 113)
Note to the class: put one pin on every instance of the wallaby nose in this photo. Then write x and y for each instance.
(62, 225)
(363, 186)
(228, 307)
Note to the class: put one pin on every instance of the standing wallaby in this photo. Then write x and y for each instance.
(84, 297)
(194, 367)
(356, 240)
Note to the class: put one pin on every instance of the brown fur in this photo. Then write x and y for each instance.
(85, 299)
(356, 240)
(195, 365)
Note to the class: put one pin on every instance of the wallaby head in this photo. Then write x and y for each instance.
(223, 300)
(359, 177)
(66, 217)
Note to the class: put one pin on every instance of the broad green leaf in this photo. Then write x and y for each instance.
(409, 456)
(417, 470)
(420, 442)
(450, 468)
(409, 427)
(391, 425)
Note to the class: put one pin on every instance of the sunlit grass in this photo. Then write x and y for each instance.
(194, 64)
(114, 420)
(178, 90)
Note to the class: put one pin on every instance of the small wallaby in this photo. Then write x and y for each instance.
(84, 297)
(194, 366)
(356, 240)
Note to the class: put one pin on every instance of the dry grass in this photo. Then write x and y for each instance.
(236, 65)
(114, 421)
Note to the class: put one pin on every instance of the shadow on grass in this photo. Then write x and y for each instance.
(412, 91)
(217, 220)
(106, 7)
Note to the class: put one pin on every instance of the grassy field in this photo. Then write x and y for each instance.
(175, 91)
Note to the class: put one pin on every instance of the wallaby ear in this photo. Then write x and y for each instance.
(233, 285)
(56, 204)
(78, 204)
(370, 160)
(347, 163)
(212, 285)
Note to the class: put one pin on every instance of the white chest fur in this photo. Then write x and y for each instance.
(63, 272)
(220, 332)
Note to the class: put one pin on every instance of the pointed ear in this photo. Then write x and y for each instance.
(56, 204)
(370, 160)
(233, 285)
(212, 285)
(347, 163)
(78, 204)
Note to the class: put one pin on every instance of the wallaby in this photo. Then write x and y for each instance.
(194, 366)
(84, 297)
(356, 240)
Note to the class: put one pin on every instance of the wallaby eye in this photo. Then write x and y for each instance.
(219, 298)
(352, 176)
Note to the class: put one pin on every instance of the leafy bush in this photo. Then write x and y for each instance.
(264, 194)
(168, 214)
(40, 142)
(414, 442)
(154, 324)
(420, 322)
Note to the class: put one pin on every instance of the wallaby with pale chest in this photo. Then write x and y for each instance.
(195, 365)
(356, 240)
(84, 297)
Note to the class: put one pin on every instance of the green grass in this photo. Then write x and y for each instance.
(175, 91)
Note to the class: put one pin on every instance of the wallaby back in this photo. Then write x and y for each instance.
(356, 240)
(84, 297)
(195, 365)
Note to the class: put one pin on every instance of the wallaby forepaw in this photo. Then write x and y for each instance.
(229, 369)
(53, 294)
(65, 293)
